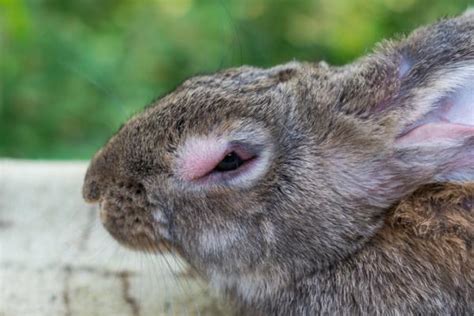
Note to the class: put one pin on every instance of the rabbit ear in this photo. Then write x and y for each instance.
(439, 135)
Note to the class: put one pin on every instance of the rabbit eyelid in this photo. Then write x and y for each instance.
(198, 159)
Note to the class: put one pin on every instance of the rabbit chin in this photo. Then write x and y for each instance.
(249, 287)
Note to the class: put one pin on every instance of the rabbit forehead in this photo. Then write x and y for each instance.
(213, 108)
(149, 144)
(200, 108)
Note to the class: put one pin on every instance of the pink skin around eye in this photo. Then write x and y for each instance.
(199, 157)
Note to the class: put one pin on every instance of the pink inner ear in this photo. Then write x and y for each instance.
(200, 156)
(462, 111)
(452, 120)
(435, 132)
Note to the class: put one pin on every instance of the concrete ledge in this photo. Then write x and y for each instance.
(56, 259)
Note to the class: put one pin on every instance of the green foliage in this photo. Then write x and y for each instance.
(72, 71)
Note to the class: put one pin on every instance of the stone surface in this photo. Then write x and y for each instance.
(56, 259)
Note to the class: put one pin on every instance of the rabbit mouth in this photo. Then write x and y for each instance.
(134, 227)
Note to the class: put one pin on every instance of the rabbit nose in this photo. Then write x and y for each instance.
(91, 191)
(94, 178)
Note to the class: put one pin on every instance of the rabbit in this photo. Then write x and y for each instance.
(308, 189)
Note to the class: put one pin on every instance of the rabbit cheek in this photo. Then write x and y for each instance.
(229, 247)
(214, 243)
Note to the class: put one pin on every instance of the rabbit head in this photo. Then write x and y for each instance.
(275, 173)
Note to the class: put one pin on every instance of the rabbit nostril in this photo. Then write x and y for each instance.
(91, 192)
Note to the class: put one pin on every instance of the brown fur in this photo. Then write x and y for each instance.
(440, 217)
(437, 212)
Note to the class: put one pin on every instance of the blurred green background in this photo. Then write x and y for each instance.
(72, 71)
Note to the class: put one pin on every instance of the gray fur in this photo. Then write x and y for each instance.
(310, 236)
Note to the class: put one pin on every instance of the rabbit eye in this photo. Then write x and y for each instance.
(231, 161)
(214, 161)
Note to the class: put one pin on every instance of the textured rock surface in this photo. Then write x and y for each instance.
(56, 259)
